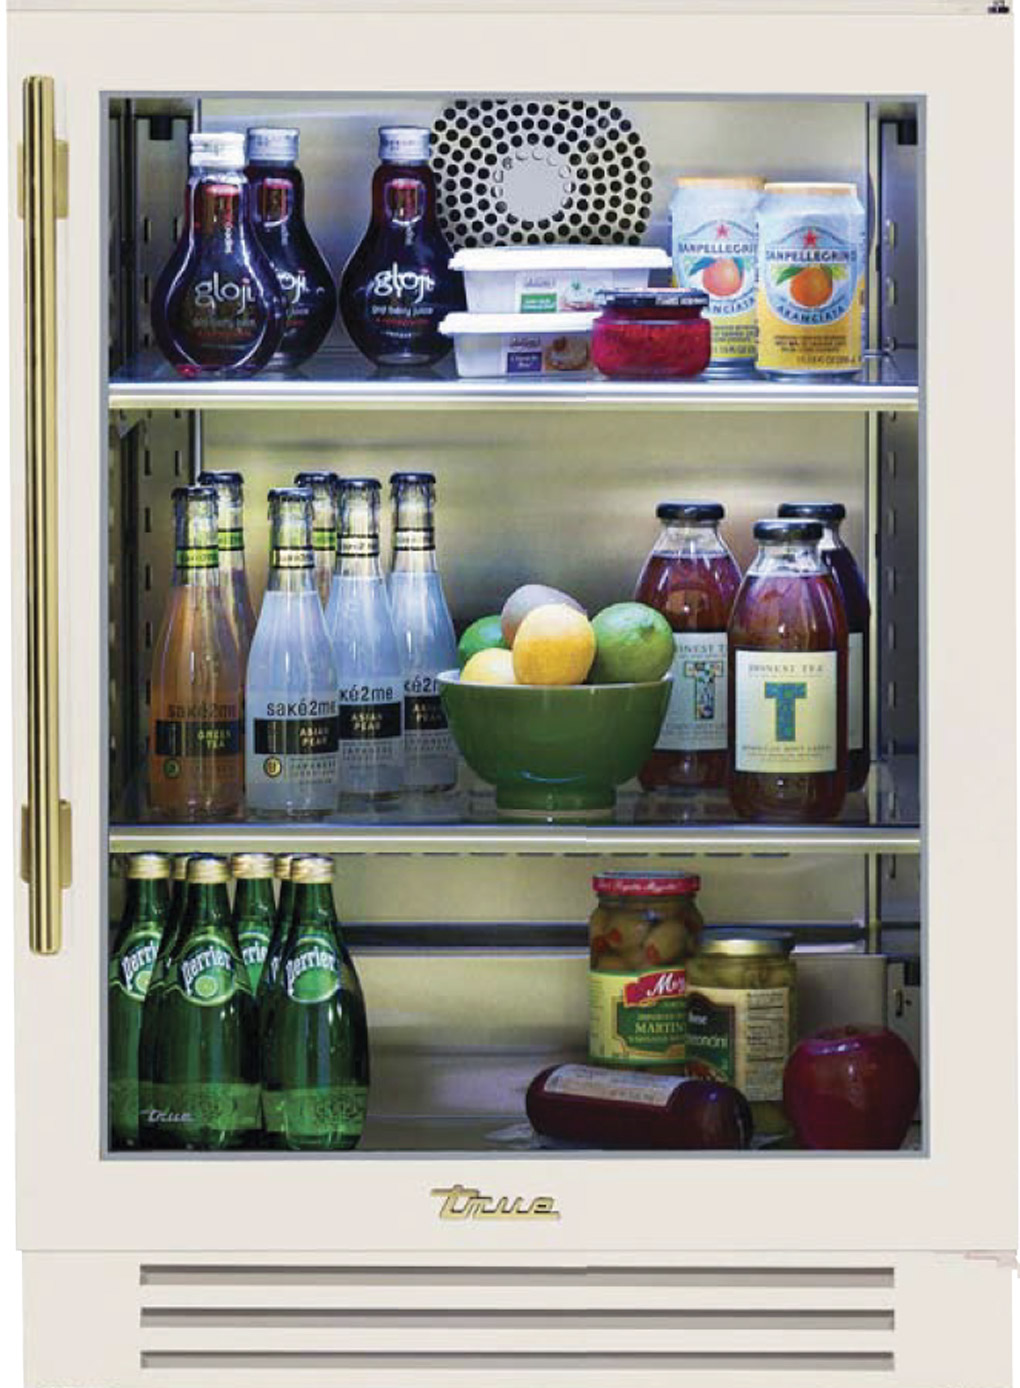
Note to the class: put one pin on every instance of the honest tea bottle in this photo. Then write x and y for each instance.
(324, 487)
(425, 633)
(291, 695)
(315, 1037)
(200, 1084)
(840, 562)
(692, 579)
(254, 910)
(278, 205)
(217, 308)
(234, 589)
(196, 763)
(788, 658)
(368, 660)
(132, 959)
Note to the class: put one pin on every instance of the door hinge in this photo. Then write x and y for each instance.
(65, 844)
(62, 179)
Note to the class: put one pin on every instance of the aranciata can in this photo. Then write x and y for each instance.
(812, 249)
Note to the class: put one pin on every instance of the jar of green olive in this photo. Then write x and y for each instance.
(741, 1016)
(644, 929)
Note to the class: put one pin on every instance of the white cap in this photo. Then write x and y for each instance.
(217, 149)
(272, 144)
(405, 144)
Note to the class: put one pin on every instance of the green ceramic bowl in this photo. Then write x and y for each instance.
(555, 751)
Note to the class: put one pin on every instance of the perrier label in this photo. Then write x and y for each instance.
(254, 910)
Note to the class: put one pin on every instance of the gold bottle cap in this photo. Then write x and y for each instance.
(741, 944)
(313, 868)
(282, 865)
(252, 866)
(148, 867)
(720, 181)
(181, 862)
(207, 867)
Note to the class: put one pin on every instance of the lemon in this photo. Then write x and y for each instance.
(634, 643)
(482, 635)
(492, 666)
(554, 644)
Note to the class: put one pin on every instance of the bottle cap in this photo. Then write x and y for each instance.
(208, 867)
(272, 144)
(404, 144)
(647, 884)
(312, 868)
(181, 862)
(217, 149)
(788, 531)
(148, 867)
(252, 866)
(690, 511)
(832, 512)
(282, 864)
(740, 943)
(412, 479)
(230, 480)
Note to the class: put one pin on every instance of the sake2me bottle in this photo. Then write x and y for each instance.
(291, 692)
(278, 205)
(217, 307)
(233, 573)
(324, 487)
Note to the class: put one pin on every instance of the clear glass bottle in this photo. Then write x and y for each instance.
(692, 579)
(367, 654)
(840, 562)
(397, 287)
(217, 307)
(788, 686)
(291, 694)
(324, 487)
(424, 631)
(233, 572)
(196, 730)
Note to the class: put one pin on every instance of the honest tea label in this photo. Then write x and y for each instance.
(696, 718)
(786, 712)
(855, 691)
(638, 1019)
(742, 1036)
(616, 1085)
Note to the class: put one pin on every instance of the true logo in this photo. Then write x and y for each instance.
(467, 1202)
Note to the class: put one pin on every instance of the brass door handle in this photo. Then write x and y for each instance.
(46, 838)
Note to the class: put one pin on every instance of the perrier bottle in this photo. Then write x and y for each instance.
(132, 958)
(282, 866)
(315, 1037)
(254, 909)
(200, 1063)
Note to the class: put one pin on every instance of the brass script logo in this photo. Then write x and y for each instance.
(466, 1202)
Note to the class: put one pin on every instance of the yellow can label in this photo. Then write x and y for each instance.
(810, 295)
(638, 1018)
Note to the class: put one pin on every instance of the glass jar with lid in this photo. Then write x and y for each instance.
(742, 1014)
(643, 931)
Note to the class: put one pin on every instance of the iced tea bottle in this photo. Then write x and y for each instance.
(843, 566)
(788, 662)
(692, 579)
(196, 754)
(217, 307)
(278, 207)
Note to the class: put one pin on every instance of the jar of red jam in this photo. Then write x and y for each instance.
(651, 334)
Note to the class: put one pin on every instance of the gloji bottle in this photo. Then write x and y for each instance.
(692, 579)
(278, 207)
(397, 287)
(788, 686)
(841, 563)
(218, 307)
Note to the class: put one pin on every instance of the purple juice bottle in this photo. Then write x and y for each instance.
(397, 287)
(278, 210)
(218, 307)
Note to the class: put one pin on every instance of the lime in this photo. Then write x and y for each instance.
(205, 987)
(484, 635)
(632, 643)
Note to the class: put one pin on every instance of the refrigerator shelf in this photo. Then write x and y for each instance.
(339, 378)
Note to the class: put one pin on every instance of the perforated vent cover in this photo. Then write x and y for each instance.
(514, 171)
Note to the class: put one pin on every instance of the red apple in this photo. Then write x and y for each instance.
(851, 1089)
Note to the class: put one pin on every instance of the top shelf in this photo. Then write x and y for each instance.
(339, 379)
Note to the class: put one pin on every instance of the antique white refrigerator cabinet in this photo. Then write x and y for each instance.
(454, 1245)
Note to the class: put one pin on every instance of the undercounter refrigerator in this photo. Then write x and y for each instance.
(515, 731)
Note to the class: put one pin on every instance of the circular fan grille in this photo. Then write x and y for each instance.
(531, 173)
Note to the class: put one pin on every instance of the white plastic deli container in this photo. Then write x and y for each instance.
(520, 344)
(552, 279)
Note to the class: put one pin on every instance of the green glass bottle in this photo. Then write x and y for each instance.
(132, 958)
(254, 910)
(200, 1067)
(315, 1035)
(282, 870)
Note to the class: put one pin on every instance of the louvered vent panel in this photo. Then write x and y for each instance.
(559, 1327)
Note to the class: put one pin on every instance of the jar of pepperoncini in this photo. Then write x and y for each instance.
(741, 1016)
(642, 933)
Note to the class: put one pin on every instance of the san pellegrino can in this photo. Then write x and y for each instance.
(254, 909)
(132, 959)
(200, 1066)
(315, 1039)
